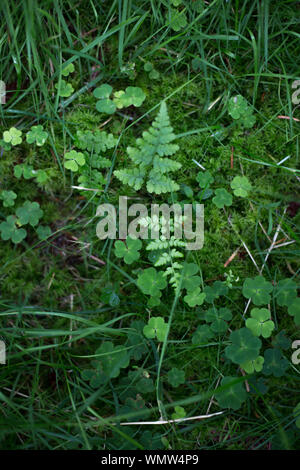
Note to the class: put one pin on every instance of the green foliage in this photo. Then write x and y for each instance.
(156, 328)
(176, 377)
(260, 322)
(13, 136)
(10, 231)
(30, 213)
(241, 186)
(218, 319)
(64, 89)
(296, 414)
(8, 198)
(285, 292)
(222, 198)
(176, 19)
(275, 364)
(151, 282)
(215, 291)
(43, 232)
(258, 290)
(95, 142)
(255, 365)
(73, 160)
(195, 297)
(244, 346)
(233, 396)
(202, 335)
(179, 412)
(128, 251)
(132, 96)
(37, 135)
(205, 179)
(147, 156)
(153, 73)
(241, 112)
(111, 359)
(67, 69)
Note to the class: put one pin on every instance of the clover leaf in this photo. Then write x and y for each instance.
(202, 335)
(74, 159)
(255, 365)
(296, 414)
(24, 170)
(176, 377)
(105, 104)
(156, 328)
(218, 319)
(285, 292)
(128, 251)
(294, 310)
(241, 186)
(215, 291)
(222, 198)
(275, 364)
(111, 359)
(179, 412)
(136, 340)
(234, 394)
(282, 341)
(258, 290)
(37, 135)
(239, 110)
(131, 96)
(189, 280)
(9, 230)
(12, 136)
(103, 91)
(30, 213)
(195, 297)
(8, 198)
(260, 322)
(43, 232)
(134, 405)
(178, 19)
(205, 179)
(64, 89)
(67, 69)
(151, 282)
(244, 346)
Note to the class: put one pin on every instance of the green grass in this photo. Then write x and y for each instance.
(53, 315)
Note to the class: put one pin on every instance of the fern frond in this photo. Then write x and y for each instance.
(97, 142)
(147, 155)
(133, 178)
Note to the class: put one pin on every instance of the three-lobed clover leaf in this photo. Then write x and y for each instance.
(8, 198)
(110, 360)
(244, 346)
(296, 414)
(129, 250)
(151, 282)
(218, 319)
(205, 179)
(67, 69)
(13, 136)
(239, 110)
(285, 292)
(255, 365)
(275, 363)
(156, 328)
(74, 160)
(105, 104)
(23, 170)
(233, 396)
(258, 290)
(190, 281)
(222, 198)
(132, 96)
(9, 230)
(178, 19)
(30, 213)
(179, 412)
(202, 335)
(195, 297)
(64, 89)
(241, 186)
(37, 135)
(43, 232)
(215, 291)
(260, 322)
(176, 377)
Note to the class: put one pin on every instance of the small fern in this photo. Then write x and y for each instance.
(96, 142)
(155, 144)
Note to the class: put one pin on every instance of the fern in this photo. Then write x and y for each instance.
(96, 142)
(147, 156)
